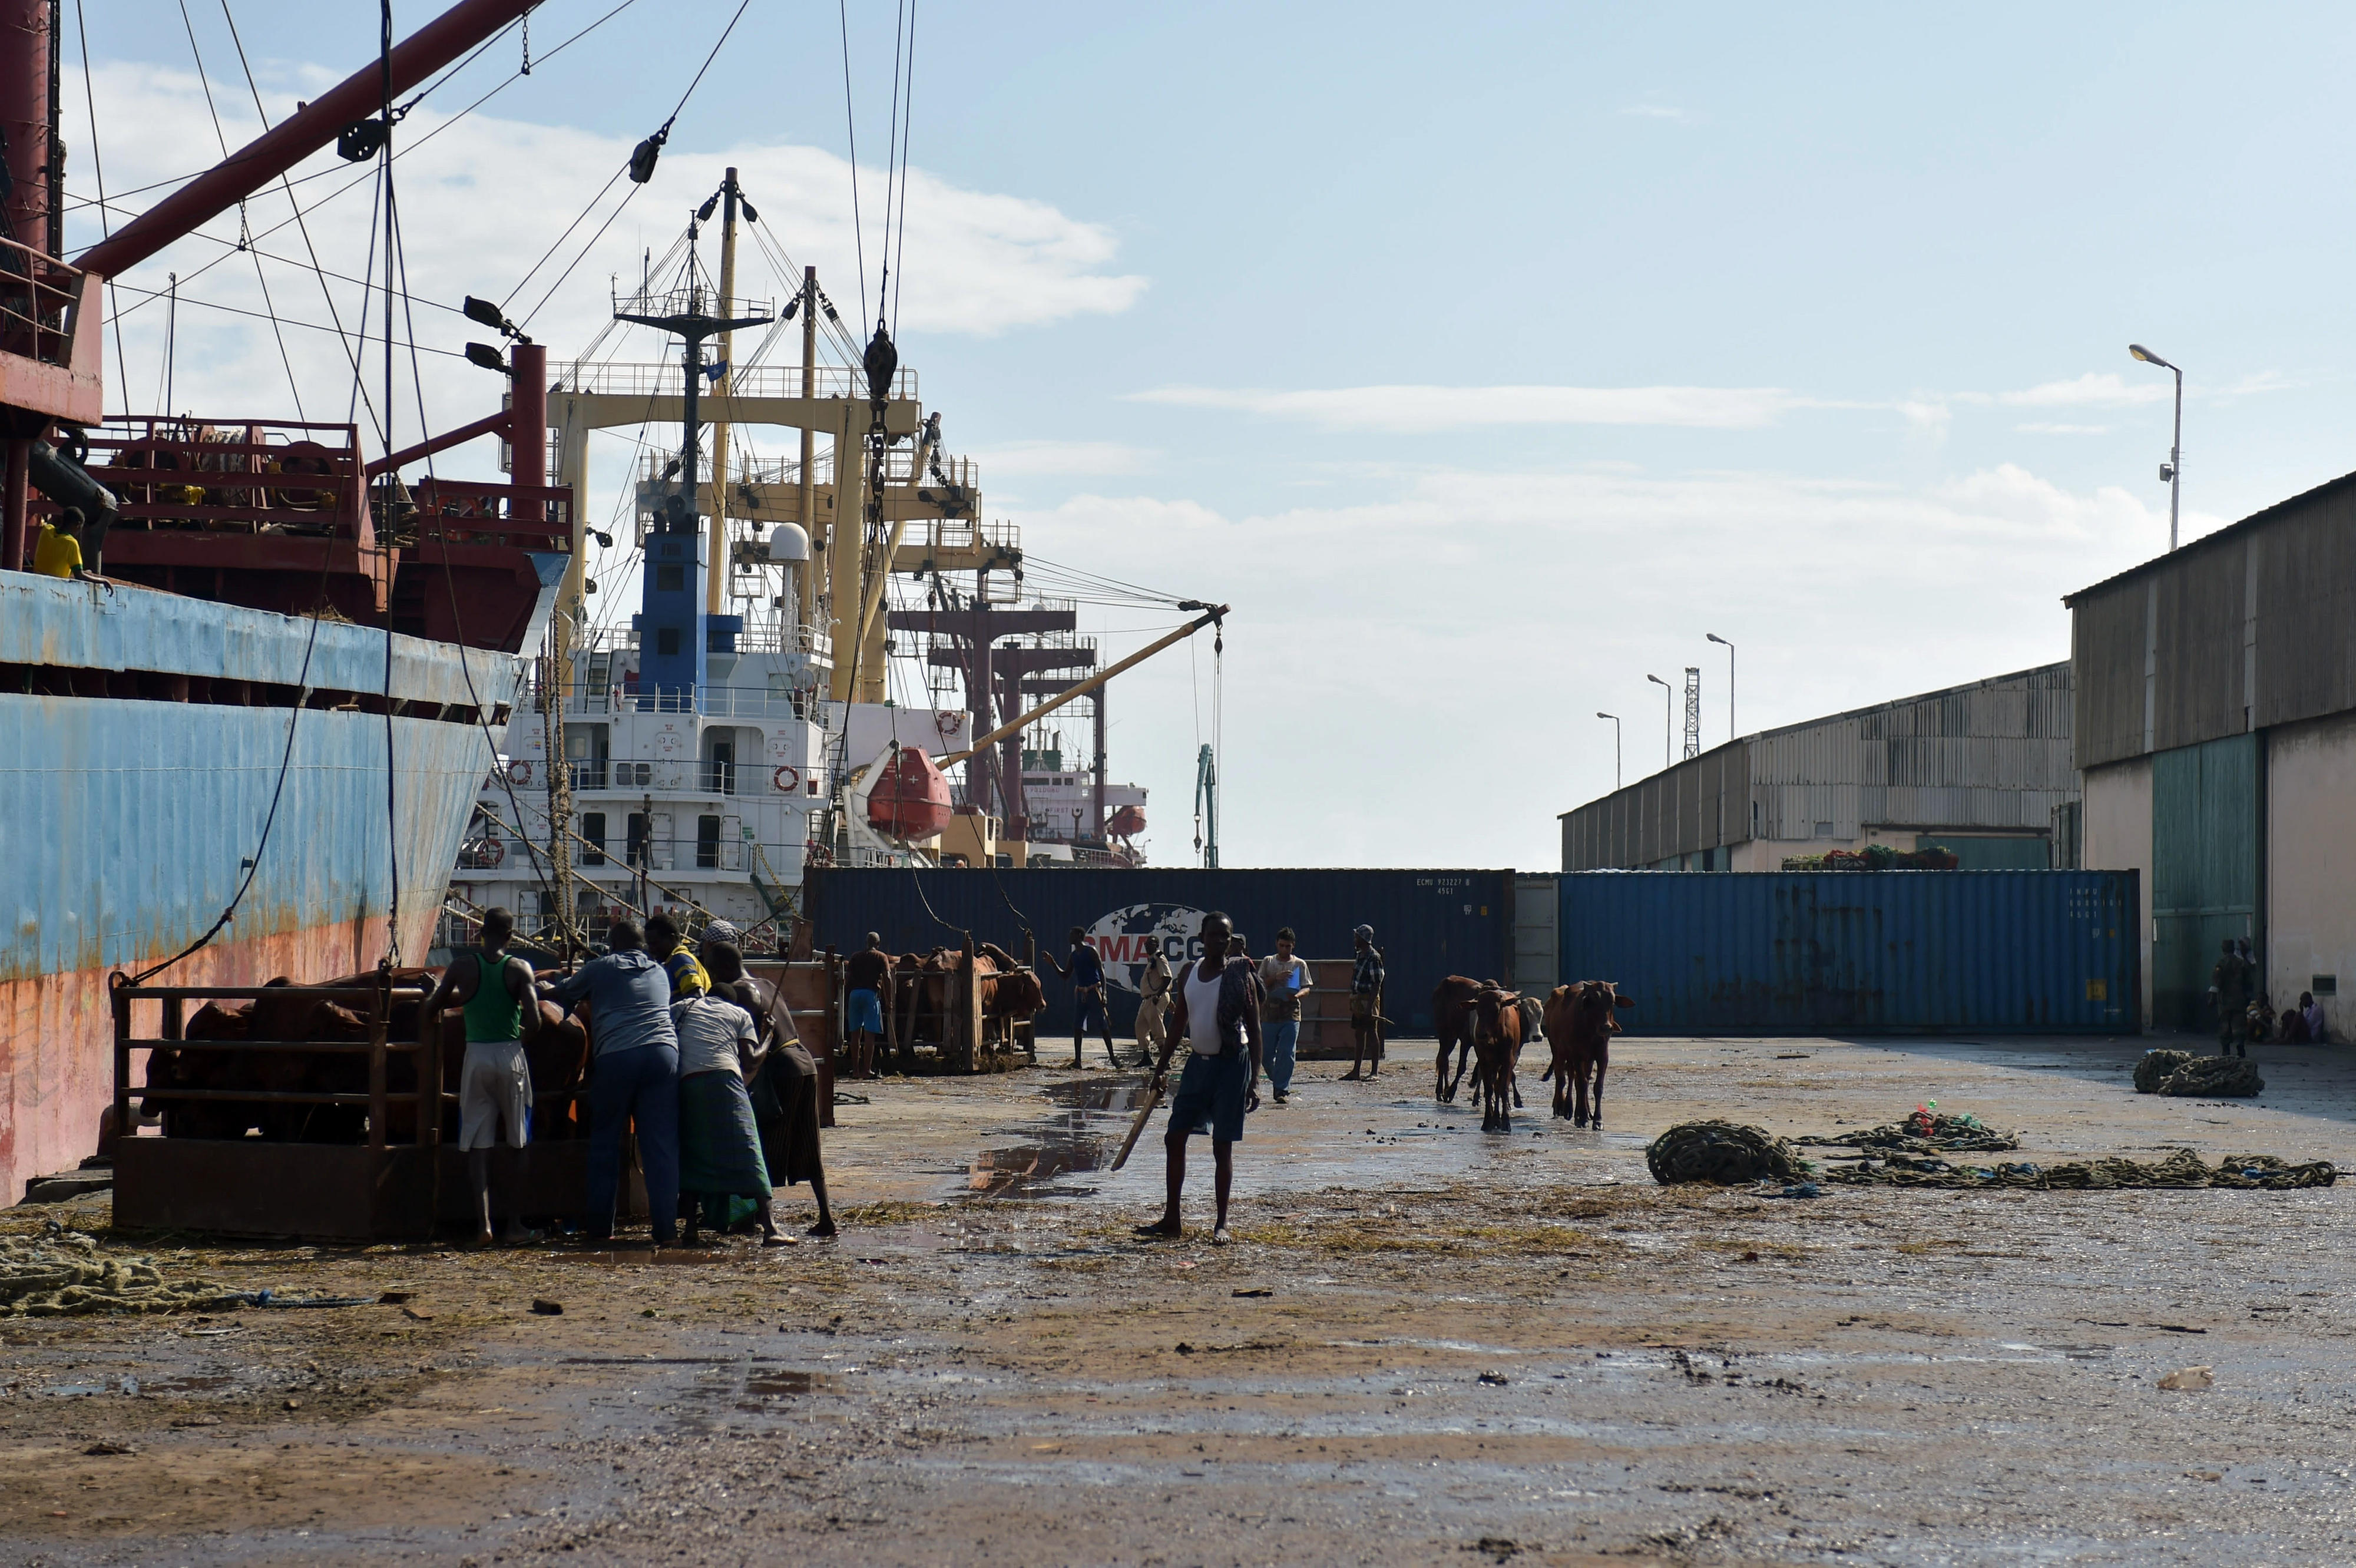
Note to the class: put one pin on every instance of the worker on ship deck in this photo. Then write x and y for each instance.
(58, 551)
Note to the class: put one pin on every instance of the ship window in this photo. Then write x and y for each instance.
(670, 579)
(707, 843)
(593, 828)
(666, 640)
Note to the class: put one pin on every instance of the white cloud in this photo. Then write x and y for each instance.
(2038, 427)
(1421, 408)
(2097, 389)
(1519, 604)
(1063, 457)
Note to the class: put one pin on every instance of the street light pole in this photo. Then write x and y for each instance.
(1729, 681)
(1668, 716)
(1615, 747)
(2171, 471)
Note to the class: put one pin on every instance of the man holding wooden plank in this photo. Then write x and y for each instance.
(1216, 1014)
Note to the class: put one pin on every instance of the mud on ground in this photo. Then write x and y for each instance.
(1428, 1345)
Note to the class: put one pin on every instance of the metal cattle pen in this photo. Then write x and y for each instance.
(383, 1186)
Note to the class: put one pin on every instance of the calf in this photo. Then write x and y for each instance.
(1580, 1023)
(1496, 1041)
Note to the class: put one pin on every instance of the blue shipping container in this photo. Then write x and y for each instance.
(1859, 952)
(1429, 924)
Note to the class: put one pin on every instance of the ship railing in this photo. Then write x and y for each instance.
(711, 701)
(662, 378)
(771, 637)
(673, 775)
(462, 511)
(703, 851)
(235, 476)
(40, 313)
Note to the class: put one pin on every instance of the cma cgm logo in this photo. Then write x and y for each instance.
(1126, 939)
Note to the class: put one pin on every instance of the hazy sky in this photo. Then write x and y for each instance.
(1482, 359)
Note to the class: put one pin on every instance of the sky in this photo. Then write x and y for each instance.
(1482, 361)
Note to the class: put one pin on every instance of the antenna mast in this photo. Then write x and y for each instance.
(1693, 711)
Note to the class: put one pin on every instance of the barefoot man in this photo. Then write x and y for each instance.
(1217, 1016)
(495, 1084)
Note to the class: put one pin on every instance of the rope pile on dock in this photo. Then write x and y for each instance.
(1924, 1132)
(1727, 1153)
(63, 1274)
(2181, 1169)
(2184, 1074)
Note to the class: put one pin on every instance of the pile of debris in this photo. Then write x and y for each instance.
(1725, 1152)
(2193, 1077)
(1875, 857)
(2181, 1169)
(61, 1274)
(1925, 1130)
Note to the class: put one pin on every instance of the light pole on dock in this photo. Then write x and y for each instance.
(1615, 747)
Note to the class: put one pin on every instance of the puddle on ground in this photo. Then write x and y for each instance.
(785, 1382)
(1083, 1137)
(1120, 1098)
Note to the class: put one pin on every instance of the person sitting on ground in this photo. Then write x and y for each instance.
(2310, 1017)
(663, 941)
(634, 1077)
(495, 1083)
(867, 991)
(1217, 1016)
(719, 1141)
(783, 1084)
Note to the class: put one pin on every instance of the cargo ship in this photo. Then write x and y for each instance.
(253, 747)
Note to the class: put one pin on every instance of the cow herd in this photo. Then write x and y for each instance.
(924, 1001)
(1480, 1022)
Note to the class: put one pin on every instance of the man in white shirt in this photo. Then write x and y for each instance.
(719, 1140)
(1217, 1016)
(1285, 979)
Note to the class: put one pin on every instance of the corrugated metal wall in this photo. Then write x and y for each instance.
(2253, 626)
(1429, 924)
(1859, 952)
(1993, 755)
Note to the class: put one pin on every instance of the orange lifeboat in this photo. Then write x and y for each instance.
(911, 800)
(1127, 822)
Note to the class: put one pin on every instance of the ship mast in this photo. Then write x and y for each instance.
(715, 596)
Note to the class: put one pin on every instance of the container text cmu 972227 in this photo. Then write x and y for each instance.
(1429, 924)
(1859, 952)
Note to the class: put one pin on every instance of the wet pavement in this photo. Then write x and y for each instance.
(1430, 1344)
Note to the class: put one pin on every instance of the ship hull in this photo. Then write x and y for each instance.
(131, 820)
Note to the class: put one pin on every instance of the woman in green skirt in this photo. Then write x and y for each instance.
(719, 1142)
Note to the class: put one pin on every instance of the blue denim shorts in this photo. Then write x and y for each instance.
(1210, 1095)
(862, 1010)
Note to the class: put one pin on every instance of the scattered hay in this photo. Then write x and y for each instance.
(62, 1274)
(2181, 1169)
(1727, 1153)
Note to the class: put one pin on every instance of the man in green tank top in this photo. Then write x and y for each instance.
(495, 1085)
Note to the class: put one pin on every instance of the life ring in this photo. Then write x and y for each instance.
(491, 852)
(786, 780)
(520, 772)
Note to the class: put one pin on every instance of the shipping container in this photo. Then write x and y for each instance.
(1861, 952)
(1429, 924)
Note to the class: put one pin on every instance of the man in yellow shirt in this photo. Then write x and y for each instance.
(58, 553)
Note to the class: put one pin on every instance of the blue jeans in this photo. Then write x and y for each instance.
(639, 1084)
(1283, 1039)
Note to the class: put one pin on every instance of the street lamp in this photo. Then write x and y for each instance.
(1615, 747)
(1668, 718)
(2171, 473)
(1730, 681)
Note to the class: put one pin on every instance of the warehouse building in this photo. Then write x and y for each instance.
(2216, 731)
(1984, 770)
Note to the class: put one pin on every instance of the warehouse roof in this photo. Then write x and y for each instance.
(2281, 508)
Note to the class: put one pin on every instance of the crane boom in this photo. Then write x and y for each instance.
(1210, 616)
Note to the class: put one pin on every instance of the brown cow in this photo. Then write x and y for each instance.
(1496, 1041)
(1580, 1023)
(1452, 1020)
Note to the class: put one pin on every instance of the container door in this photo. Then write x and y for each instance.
(2204, 871)
(1536, 967)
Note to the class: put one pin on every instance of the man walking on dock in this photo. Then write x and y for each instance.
(495, 1085)
(634, 1077)
(1152, 1004)
(1367, 1005)
(1285, 979)
(1086, 975)
(1217, 1016)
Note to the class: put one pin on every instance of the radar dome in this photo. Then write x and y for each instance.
(788, 542)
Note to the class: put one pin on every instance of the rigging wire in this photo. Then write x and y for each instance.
(98, 167)
(392, 484)
(851, 127)
(900, 240)
(891, 165)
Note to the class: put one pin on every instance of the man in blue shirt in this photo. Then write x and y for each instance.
(633, 1077)
(1086, 975)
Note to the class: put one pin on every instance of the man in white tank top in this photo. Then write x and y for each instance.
(1217, 1016)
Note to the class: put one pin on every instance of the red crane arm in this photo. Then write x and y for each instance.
(274, 152)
